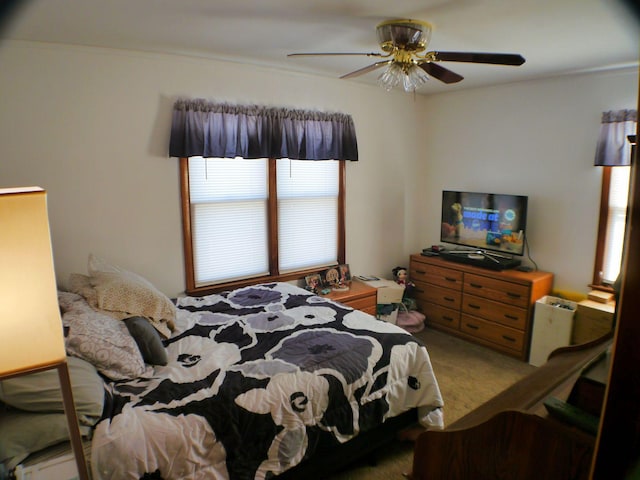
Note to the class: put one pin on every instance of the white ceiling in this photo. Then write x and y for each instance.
(555, 36)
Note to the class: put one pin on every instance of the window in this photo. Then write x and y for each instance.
(248, 219)
(611, 231)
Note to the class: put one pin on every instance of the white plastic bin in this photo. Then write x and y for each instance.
(552, 327)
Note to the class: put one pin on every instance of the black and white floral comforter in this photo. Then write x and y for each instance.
(255, 377)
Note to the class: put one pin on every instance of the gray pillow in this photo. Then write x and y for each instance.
(24, 433)
(40, 392)
(148, 340)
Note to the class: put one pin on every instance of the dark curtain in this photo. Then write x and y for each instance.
(206, 129)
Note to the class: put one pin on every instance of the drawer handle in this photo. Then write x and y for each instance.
(419, 290)
(449, 279)
(421, 272)
(514, 295)
(508, 339)
(511, 317)
(475, 285)
(448, 319)
(476, 307)
(449, 299)
(473, 327)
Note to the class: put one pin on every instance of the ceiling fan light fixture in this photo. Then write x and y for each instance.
(414, 78)
(390, 77)
(410, 78)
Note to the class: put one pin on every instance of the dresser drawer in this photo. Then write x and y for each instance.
(440, 315)
(502, 313)
(499, 290)
(435, 275)
(445, 297)
(501, 335)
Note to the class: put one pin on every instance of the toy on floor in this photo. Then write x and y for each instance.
(408, 317)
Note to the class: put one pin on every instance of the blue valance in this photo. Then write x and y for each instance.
(206, 129)
(613, 147)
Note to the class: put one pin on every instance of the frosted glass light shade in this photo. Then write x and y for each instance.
(30, 321)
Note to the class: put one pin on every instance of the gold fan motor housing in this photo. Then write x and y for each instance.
(403, 34)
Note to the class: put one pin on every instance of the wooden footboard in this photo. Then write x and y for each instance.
(511, 445)
(512, 436)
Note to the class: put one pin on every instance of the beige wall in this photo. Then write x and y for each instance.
(91, 126)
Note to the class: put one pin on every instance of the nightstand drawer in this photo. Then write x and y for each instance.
(360, 296)
(367, 304)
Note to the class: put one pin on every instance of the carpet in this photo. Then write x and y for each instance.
(468, 375)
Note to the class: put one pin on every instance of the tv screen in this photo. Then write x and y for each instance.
(484, 221)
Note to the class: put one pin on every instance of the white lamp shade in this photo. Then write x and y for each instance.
(30, 324)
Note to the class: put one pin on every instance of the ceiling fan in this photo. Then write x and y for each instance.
(402, 42)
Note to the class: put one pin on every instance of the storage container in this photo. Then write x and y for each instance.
(552, 327)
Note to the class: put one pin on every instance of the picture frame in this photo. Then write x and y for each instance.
(339, 275)
(331, 277)
(345, 273)
(314, 282)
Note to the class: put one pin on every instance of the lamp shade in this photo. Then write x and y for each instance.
(30, 324)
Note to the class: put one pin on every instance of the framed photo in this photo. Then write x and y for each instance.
(314, 282)
(331, 277)
(345, 273)
(340, 275)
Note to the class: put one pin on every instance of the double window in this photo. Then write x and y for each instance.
(248, 219)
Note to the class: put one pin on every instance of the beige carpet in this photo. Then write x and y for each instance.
(468, 375)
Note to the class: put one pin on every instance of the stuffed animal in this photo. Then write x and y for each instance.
(401, 276)
(457, 219)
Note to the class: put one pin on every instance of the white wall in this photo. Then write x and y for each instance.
(537, 139)
(92, 125)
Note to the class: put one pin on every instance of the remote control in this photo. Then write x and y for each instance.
(572, 414)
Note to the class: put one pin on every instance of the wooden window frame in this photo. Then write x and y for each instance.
(602, 231)
(274, 276)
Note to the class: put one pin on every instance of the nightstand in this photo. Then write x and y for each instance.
(360, 296)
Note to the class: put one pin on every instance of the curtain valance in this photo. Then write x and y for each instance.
(613, 147)
(202, 128)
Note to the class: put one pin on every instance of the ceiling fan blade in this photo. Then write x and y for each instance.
(438, 71)
(364, 70)
(474, 57)
(372, 54)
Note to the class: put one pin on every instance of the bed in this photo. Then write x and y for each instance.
(254, 383)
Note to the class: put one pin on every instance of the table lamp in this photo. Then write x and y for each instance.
(32, 335)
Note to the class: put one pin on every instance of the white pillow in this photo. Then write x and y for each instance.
(101, 340)
(125, 294)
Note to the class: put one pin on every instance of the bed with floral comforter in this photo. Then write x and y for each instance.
(255, 378)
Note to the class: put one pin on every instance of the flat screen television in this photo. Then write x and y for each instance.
(484, 221)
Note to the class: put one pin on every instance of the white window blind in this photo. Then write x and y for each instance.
(307, 213)
(616, 221)
(228, 218)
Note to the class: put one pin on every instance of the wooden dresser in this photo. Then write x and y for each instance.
(493, 308)
(360, 296)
